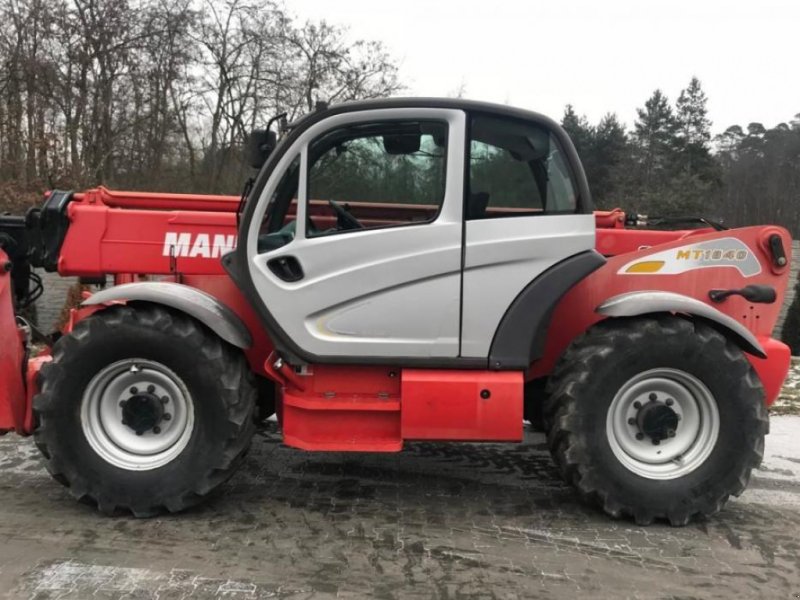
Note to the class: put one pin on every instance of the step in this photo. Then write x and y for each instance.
(345, 423)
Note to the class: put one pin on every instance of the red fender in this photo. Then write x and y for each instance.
(628, 249)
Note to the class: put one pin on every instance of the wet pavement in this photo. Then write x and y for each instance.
(436, 521)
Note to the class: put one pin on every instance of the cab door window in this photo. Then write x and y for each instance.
(373, 175)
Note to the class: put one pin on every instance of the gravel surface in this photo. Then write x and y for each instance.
(435, 521)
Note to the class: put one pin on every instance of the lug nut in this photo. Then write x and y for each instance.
(151, 389)
(134, 390)
(670, 402)
(156, 429)
(122, 403)
(164, 399)
(653, 397)
(656, 442)
(671, 433)
(637, 405)
(138, 433)
(640, 436)
(631, 421)
(167, 416)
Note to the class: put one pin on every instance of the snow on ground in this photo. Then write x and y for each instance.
(788, 403)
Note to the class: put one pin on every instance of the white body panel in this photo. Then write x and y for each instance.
(503, 256)
(391, 292)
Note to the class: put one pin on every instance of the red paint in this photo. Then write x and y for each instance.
(105, 240)
(772, 371)
(35, 364)
(14, 411)
(158, 200)
(448, 405)
(375, 409)
(345, 425)
(576, 311)
(344, 409)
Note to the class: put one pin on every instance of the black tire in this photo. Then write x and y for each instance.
(599, 363)
(222, 395)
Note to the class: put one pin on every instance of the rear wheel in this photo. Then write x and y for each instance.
(143, 409)
(656, 417)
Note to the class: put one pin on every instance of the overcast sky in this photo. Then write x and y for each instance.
(602, 55)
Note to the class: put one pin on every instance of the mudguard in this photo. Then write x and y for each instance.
(521, 335)
(200, 305)
(640, 303)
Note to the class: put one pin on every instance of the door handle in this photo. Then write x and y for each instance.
(286, 267)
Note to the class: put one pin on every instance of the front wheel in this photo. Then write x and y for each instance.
(143, 409)
(656, 417)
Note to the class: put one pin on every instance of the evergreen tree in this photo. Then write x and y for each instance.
(612, 158)
(602, 149)
(653, 147)
(654, 136)
(578, 129)
(693, 132)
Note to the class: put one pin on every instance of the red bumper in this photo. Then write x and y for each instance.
(772, 370)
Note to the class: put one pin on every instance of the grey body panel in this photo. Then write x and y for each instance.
(640, 303)
(203, 307)
(503, 256)
(390, 292)
(522, 333)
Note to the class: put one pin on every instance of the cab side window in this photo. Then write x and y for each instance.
(516, 169)
(373, 175)
(278, 227)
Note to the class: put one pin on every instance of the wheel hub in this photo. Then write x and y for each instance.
(662, 423)
(657, 421)
(143, 411)
(137, 414)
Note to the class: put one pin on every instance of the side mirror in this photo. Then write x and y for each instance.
(259, 145)
(402, 143)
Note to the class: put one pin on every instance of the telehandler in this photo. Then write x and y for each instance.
(399, 270)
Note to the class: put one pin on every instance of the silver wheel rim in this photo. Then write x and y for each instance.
(102, 414)
(690, 443)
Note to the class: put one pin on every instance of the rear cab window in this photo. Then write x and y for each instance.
(516, 168)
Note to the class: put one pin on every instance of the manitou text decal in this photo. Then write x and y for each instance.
(725, 252)
(201, 245)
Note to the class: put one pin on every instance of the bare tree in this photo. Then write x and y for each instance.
(160, 93)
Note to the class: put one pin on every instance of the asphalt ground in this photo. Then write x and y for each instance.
(435, 521)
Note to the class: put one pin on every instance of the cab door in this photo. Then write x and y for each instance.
(364, 261)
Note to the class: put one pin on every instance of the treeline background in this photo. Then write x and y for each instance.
(669, 164)
(159, 94)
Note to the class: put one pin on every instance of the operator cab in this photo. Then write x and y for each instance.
(405, 229)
